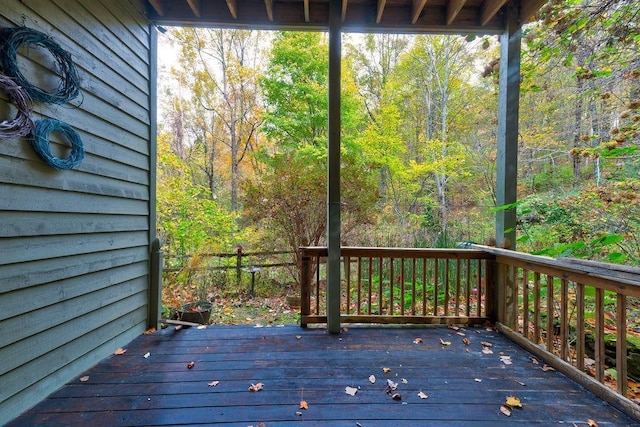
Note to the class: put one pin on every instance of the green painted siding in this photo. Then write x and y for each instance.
(74, 245)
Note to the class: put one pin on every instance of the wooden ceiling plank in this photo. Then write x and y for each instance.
(490, 9)
(418, 5)
(158, 6)
(269, 5)
(233, 8)
(306, 10)
(195, 7)
(528, 8)
(344, 9)
(381, 5)
(453, 9)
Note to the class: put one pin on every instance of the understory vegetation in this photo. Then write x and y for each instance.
(243, 136)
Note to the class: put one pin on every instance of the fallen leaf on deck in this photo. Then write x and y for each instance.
(345, 329)
(505, 410)
(533, 360)
(547, 368)
(191, 365)
(466, 341)
(445, 343)
(506, 360)
(391, 386)
(351, 391)
(513, 402)
(298, 413)
(146, 355)
(372, 379)
(303, 404)
(396, 396)
(592, 423)
(521, 383)
(478, 380)
(454, 327)
(486, 344)
(418, 341)
(298, 337)
(256, 387)
(466, 350)
(84, 379)
(202, 327)
(213, 383)
(120, 351)
(462, 334)
(422, 395)
(404, 381)
(487, 350)
(386, 370)
(150, 331)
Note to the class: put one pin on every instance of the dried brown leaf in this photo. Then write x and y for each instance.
(445, 343)
(351, 391)
(521, 383)
(256, 387)
(592, 423)
(486, 343)
(466, 341)
(422, 395)
(213, 383)
(150, 331)
(396, 396)
(84, 379)
(513, 402)
(372, 379)
(418, 341)
(386, 370)
(487, 350)
(303, 404)
(547, 368)
(533, 360)
(191, 365)
(505, 410)
(298, 337)
(120, 351)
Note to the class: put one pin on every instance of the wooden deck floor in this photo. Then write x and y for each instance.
(464, 388)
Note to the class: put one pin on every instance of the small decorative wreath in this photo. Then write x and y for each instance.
(41, 132)
(10, 41)
(22, 124)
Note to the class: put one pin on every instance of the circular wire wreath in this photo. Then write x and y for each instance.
(68, 86)
(22, 124)
(41, 132)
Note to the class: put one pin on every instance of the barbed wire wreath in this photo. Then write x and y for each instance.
(22, 124)
(41, 144)
(11, 39)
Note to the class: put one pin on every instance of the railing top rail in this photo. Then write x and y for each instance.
(622, 279)
(378, 252)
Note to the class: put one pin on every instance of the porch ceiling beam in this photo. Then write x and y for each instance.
(490, 9)
(306, 10)
(418, 5)
(453, 9)
(269, 5)
(233, 8)
(195, 7)
(528, 8)
(381, 5)
(158, 6)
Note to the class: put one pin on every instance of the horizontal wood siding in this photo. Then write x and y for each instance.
(74, 245)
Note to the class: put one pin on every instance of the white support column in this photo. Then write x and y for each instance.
(508, 105)
(333, 169)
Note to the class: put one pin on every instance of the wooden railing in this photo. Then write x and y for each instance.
(573, 314)
(400, 285)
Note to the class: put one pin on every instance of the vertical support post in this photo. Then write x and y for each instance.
(239, 266)
(305, 287)
(154, 303)
(490, 283)
(333, 168)
(508, 112)
(155, 285)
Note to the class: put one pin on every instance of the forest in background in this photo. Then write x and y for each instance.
(243, 135)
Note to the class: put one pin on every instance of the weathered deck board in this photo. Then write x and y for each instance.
(160, 390)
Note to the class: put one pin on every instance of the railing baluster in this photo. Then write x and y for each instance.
(468, 291)
(457, 303)
(446, 287)
(580, 327)
(380, 277)
(550, 326)
(479, 291)
(402, 290)
(413, 286)
(435, 285)
(564, 318)
(318, 285)
(391, 283)
(347, 273)
(621, 343)
(359, 274)
(525, 303)
(370, 284)
(599, 335)
(536, 307)
(305, 284)
(424, 286)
